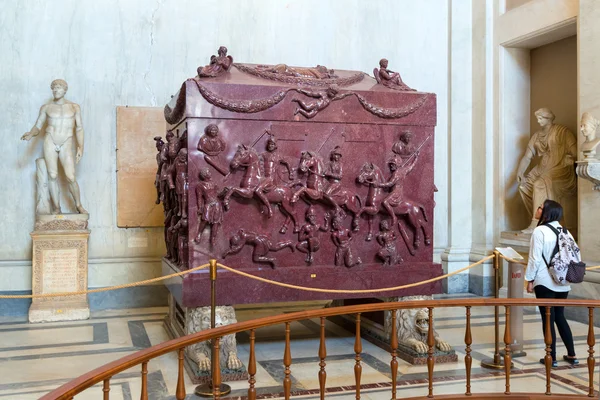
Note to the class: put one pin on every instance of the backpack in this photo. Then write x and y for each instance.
(565, 264)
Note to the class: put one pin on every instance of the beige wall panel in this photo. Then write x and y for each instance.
(136, 166)
(554, 82)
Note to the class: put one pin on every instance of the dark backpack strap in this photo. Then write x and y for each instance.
(556, 232)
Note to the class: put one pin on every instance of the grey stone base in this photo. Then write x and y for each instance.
(481, 285)
(456, 284)
(134, 297)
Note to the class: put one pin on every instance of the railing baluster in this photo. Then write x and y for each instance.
(394, 362)
(468, 358)
(144, 394)
(180, 391)
(591, 341)
(106, 389)
(357, 351)
(287, 361)
(430, 349)
(216, 368)
(548, 356)
(322, 356)
(252, 368)
(507, 343)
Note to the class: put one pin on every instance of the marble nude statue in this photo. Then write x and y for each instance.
(64, 133)
(588, 127)
(553, 177)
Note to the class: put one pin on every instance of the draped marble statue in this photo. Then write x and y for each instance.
(553, 177)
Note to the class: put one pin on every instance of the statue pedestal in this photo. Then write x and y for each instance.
(59, 264)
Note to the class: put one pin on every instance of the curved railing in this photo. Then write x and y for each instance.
(104, 373)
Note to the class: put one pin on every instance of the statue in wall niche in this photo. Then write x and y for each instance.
(247, 158)
(553, 177)
(342, 238)
(387, 240)
(389, 78)
(262, 246)
(588, 127)
(64, 134)
(159, 162)
(212, 145)
(198, 319)
(180, 183)
(403, 147)
(325, 97)
(318, 72)
(395, 203)
(219, 64)
(308, 238)
(210, 209)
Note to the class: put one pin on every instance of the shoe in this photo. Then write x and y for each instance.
(554, 363)
(571, 360)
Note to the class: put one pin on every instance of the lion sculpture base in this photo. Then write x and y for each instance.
(412, 326)
(198, 319)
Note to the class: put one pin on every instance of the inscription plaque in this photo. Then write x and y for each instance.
(60, 271)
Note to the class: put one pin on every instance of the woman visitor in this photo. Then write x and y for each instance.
(543, 242)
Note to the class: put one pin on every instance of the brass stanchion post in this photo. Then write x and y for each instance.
(206, 389)
(497, 362)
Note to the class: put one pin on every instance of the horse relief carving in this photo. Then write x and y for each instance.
(255, 184)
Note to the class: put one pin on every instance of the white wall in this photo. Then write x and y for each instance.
(135, 52)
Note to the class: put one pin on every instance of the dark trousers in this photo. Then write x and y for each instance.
(557, 315)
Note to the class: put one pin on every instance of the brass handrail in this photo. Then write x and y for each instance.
(78, 385)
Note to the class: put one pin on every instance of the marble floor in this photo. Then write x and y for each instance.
(34, 359)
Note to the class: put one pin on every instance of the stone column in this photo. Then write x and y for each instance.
(460, 103)
(588, 37)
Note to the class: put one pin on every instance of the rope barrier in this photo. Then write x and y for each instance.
(269, 281)
(104, 289)
(287, 285)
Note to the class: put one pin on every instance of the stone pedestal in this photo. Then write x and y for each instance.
(59, 264)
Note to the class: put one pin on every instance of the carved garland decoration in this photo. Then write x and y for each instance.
(253, 106)
(391, 112)
(38, 267)
(298, 80)
(242, 106)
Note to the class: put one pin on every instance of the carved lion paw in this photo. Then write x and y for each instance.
(233, 362)
(420, 347)
(204, 363)
(443, 346)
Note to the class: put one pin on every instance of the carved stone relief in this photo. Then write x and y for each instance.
(197, 320)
